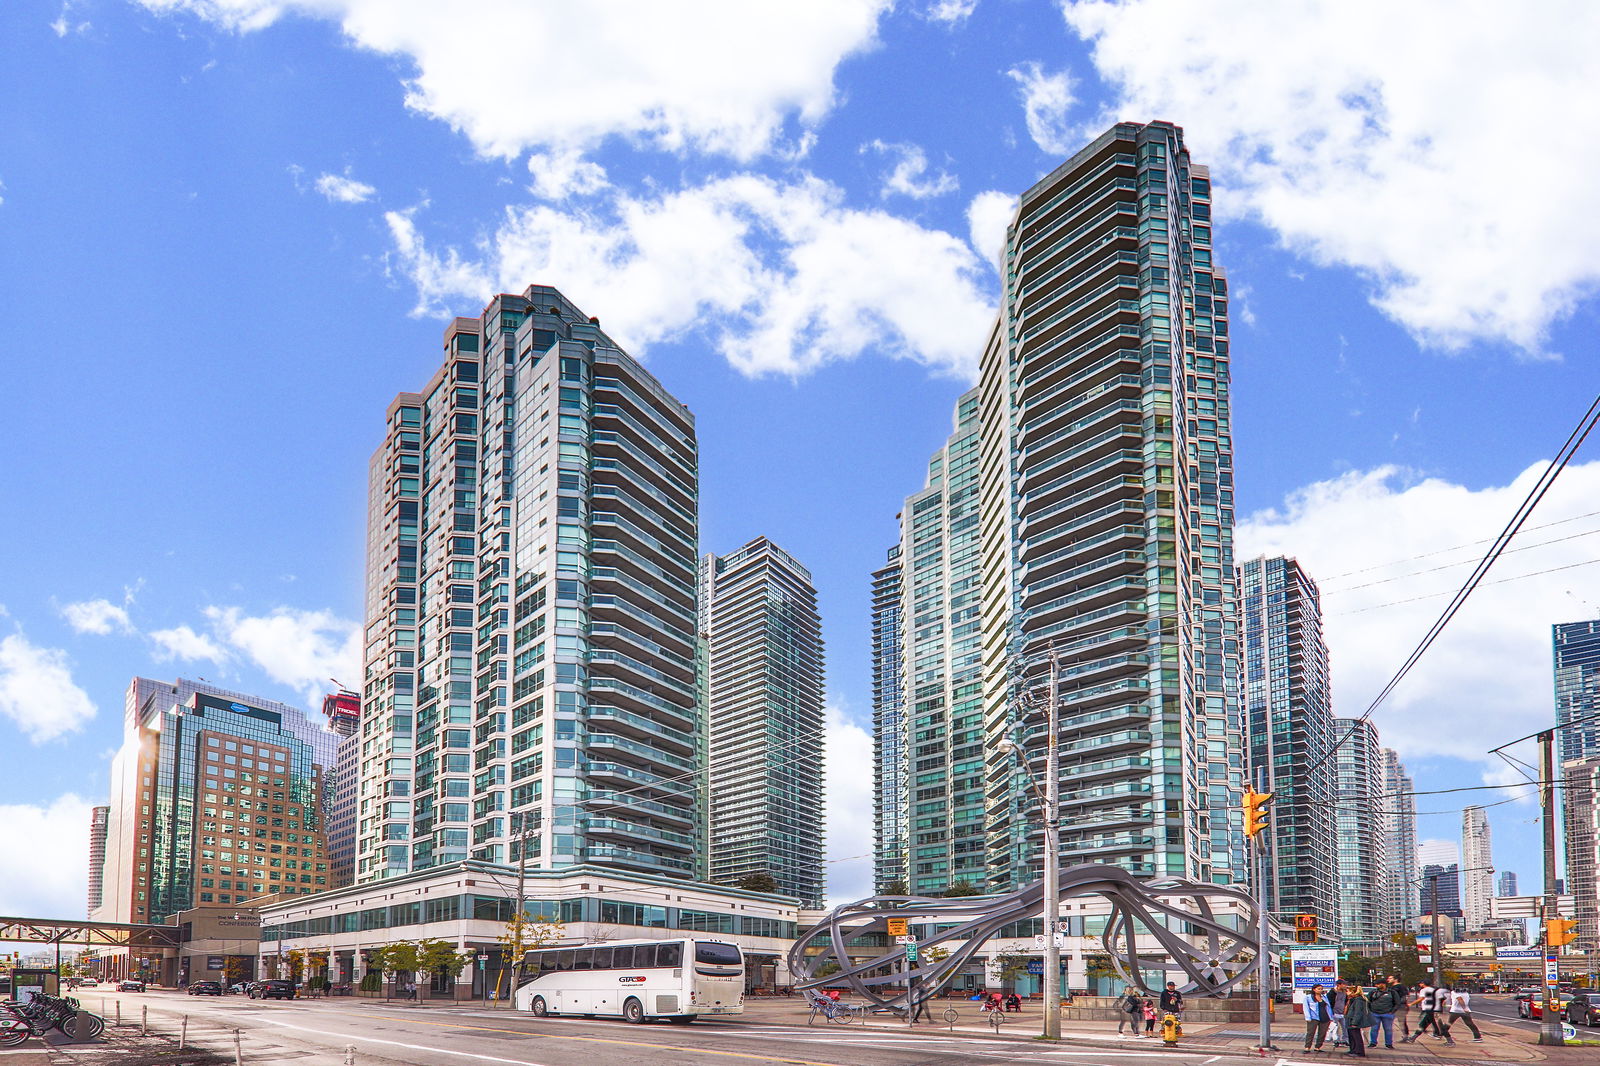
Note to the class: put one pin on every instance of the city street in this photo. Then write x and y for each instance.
(321, 1031)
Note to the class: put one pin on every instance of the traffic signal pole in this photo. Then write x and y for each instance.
(1255, 822)
(1549, 1024)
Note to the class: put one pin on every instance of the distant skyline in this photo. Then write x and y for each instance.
(231, 230)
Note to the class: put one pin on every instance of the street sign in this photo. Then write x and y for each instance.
(905, 940)
(897, 927)
(483, 958)
(911, 952)
(1552, 970)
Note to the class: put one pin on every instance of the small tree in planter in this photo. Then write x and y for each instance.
(395, 959)
(436, 956)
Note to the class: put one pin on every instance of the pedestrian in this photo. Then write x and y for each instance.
(1424, 1001)
(1336, 1008)
(1149, 1015)
(1461, 1011)
(1317, 1017)
(1382, 1006)
(1441, 1014)
(1014, 1003)
(1357, 1016)
(1172, 1000)
(1402, 1009)
(919, 1002)
(1129, 1010)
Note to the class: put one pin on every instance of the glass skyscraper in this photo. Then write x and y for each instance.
(1576, 648)
(1362, 857)
(1289, 723)
(1107, 518)
(889, 770)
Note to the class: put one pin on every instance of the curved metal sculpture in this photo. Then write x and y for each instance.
(1212, 967)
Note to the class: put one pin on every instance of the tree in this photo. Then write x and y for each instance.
(960, 888)
(1008, 966)
(395, 959)
(894, 888)
(296, 960)
(233, 969)
(759, 882)
(437, 956)
(523, 934)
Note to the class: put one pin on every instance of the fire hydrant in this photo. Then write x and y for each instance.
(1171, 1029)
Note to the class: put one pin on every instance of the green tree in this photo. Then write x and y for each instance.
(392, 960)
(523, 934)
(435, 956)
(960, 888)
(759, 882)
(1009, 967)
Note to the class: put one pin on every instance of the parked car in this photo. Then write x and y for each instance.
(1283, 995)
(205, 988)
(88, 982)
(271, 990)
(130, 986)
(1531, 1005)
(1583, 1008)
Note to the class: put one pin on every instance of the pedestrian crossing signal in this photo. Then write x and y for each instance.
(1305, 929)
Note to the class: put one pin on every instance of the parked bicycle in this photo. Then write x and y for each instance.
(37, 1016)
(834, 1011)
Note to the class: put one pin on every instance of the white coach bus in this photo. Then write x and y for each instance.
(636, 980)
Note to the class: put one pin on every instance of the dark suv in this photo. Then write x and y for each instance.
(1584, 1008)
(272, 990)
(205, 988)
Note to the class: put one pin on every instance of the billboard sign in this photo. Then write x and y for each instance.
(1313, 966)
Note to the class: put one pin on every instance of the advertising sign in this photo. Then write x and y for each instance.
(1313, 966)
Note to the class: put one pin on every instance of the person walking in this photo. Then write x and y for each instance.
(919, 1008)
(1336, 1008)
(1461, 1011)
(1402, 1009)
(1149, 1016)
(1382, 1004)
(1317, 1017)
(1441, 1014)
(1172, 1000)
(1357, 1016)
(1426, 999)
(1130, 1009)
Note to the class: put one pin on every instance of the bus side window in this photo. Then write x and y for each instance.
(602, 958)
(644, 956)
(584, 960)
(547, 962)
(566, 959)
(623, 958)
(669, 954)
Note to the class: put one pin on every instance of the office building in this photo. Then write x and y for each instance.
(216, 797)
(343, 712)
(1507, 884)
(530, 674)
(939, 723)
(890, 768)
(1441, 889)
(1477, 869)
(1107, 511)
(1358, 789)
(1397, 820)
(1582, 811)
(1576, 647)
(99, 824)
(1289, 726)
(765, 719)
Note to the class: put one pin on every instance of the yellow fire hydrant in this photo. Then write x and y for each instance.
(1171, 1029)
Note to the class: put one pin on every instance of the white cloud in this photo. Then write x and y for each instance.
(909, 176)
(343, 189)
(557, 175)
(96, 616)
(55, 840)
(1374, 150)
(988, 215)
(783, 276)
(725, 76)
(849, 808)
(37, 691)
(1047, 100)
(302, 649)
(951, 12)
(1390, 549)
(182, 642)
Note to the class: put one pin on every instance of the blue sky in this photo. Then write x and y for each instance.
(231, 230)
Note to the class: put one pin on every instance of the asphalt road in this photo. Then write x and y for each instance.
(313, 1033)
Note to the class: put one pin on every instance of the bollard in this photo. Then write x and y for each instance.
(238, 1051)
(144, 1021)
(119, 1012)
(183, 1033)
(349, 1055)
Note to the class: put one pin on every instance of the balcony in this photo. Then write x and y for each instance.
(621, 771)
(627, 722)
(615, 855)
(602, 743)
(635, 830)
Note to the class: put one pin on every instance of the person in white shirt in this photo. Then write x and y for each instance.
(1461, 1011)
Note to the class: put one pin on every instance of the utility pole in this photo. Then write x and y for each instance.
(517, 915)
(1549, 1024)
(1052, 858)
(1263, 926)
(1436, 948)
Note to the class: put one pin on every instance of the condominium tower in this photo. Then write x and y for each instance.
(1576, 647)
(930, 717)
(764, 695)
(1477, 869)
(1397, 820)
(530, 665)
(99, 824)
(1289, 723)
(1582, 814)
(343, 712)
(1362, 858)
(1106, 520)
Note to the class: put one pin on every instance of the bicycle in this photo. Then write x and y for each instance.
(837, 1013)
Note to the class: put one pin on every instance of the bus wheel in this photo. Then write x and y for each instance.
(538, 1007)
(633, 1011)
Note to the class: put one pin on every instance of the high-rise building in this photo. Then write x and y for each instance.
(1577, 674)
(1507, 885)
(531, 660)
(216, 797)
(1358, 791)
(890, 768)
(99, 823)
(1106, 519)
(1397, 819)
(765, 696)
(1477, 869)
(1582, 818)
(1289, 726)
(343, 711)
(1441, 889)
(939, 719)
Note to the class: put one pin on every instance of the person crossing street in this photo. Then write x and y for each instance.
(1461, 1011)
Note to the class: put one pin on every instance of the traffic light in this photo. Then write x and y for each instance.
(1255, 812)
(1305, 929)
(1558, 931)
